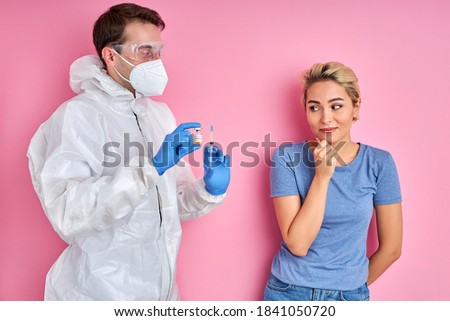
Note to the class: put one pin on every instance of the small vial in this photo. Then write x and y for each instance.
(198, 136)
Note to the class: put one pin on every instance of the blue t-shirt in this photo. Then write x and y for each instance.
(337, 258)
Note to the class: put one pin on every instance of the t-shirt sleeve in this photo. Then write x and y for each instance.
(388, 186)
(282, 175)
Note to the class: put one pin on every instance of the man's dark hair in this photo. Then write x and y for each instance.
(110, 26)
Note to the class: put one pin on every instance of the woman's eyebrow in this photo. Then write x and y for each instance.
(330, 101)
(335, 99)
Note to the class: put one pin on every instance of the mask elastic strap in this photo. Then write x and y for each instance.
(126, 62)
(120, 75)
(123, 58)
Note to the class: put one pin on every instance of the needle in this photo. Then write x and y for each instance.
(211, 144)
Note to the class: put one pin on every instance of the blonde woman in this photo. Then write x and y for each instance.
(324, 193)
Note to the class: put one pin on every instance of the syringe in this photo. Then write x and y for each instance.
(211, 144)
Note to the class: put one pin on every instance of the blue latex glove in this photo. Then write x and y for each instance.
(177, 144)
(217, 170)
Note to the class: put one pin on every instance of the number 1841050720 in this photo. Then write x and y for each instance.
(299, 310)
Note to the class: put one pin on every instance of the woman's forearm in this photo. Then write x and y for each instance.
(379, 263)
(306, 225)
(389, 227)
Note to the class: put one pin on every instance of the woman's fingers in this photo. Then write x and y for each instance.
(320, 148)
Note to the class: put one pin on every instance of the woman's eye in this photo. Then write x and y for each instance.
(336, 107)
(313, 108)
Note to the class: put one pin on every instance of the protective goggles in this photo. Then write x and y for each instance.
(141, 51)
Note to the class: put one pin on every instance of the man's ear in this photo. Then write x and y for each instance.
(109, 56)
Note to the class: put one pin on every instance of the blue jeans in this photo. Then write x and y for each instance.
(277, 290)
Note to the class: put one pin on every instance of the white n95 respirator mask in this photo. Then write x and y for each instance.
(148, 78)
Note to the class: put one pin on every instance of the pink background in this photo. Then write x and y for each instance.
(236, 64)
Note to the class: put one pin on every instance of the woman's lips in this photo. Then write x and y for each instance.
(328, 129)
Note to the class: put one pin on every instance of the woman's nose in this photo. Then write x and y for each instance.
(326, 116)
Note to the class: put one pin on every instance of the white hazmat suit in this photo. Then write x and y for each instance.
(122, 222)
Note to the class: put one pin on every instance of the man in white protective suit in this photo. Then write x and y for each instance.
(107, 167)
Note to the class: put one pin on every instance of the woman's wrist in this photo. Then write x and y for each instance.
(322, 179)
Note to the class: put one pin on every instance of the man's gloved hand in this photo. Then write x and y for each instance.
(176, 145)
(217, 170)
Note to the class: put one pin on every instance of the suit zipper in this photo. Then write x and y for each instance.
(160, 218)
(156, 186)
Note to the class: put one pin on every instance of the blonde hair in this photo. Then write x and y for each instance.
(335, 71)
